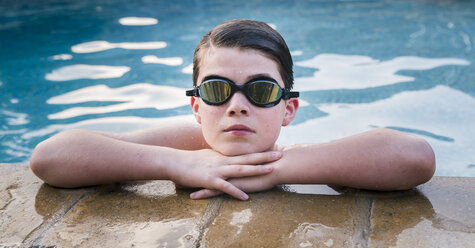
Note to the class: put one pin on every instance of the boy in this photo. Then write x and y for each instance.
(243, 79)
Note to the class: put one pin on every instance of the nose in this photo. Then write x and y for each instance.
(238, 105)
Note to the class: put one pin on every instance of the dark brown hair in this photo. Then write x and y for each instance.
(247, 34)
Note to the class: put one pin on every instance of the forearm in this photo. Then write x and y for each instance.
(379, 160)
(80, 158)
(181, 135)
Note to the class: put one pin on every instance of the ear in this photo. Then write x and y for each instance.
(195, 106)
(291, 107)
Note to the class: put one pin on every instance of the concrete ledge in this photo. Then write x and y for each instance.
(440, 213)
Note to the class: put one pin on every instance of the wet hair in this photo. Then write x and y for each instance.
(247, 34)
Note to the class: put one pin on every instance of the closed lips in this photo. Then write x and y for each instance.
(238, 128)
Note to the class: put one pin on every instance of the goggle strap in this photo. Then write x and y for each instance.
(290, 94)
(193, 92)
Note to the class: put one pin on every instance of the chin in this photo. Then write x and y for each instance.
(241, 149)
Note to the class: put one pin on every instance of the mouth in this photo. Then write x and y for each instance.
(239, 130)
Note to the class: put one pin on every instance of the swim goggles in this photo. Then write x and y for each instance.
(262, 92)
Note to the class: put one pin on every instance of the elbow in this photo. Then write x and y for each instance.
(44, 164)
(416, 158)
(425, 161)
(48, 158)
(40, 161)
(420, 163)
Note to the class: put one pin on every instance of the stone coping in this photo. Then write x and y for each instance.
(440, 213)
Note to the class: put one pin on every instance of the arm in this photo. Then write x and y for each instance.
(381, 159)
(79, 158)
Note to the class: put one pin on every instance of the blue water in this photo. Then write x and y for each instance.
(406, 65)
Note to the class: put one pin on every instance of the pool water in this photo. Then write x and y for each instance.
(360, 65)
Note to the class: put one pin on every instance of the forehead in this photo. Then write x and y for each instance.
(238, 65)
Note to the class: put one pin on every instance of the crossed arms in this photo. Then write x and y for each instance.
(380, 159)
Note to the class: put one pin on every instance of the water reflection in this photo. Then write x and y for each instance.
(241, 218)
(74, 72)
(98, 46)
(427, 236)
(137, 21)
(315, 189)
(14, 149)
(307, 232)
(135, 96)
(435, 214)
(188, 69)
(336, 71)
(314, 219)
(395, 212)
(62, 57)
(439, 112)
(173, 61)
(14, 118)
(301, 220)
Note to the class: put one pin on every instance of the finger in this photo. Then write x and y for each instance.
(233, 171)
(256, 158)
(228, 188)
(251, 184)
(204, 193)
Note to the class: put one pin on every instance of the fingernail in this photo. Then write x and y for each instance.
(193, 195)
(244, 196)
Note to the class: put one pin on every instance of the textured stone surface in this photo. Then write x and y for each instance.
(133, 214)
(27, 205)
(440, 213)
(324, 218)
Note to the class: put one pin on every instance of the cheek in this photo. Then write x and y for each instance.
(209, 120)
(272, 121)
(209, 115)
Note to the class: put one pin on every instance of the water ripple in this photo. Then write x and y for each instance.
(135, 96)
(101, 45)
(74, 72)
(173, 61)
(137, 21)
(362, 72)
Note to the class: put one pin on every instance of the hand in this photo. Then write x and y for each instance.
(259, 182)
(246, 184)
(210, 170)
(251, 183)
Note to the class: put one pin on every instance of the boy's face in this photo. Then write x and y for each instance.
(239, 127)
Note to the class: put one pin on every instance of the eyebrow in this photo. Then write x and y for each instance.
(215, 77)
(259, 76)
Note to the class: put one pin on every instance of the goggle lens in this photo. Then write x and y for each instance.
(215, 91)
(262, 92)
